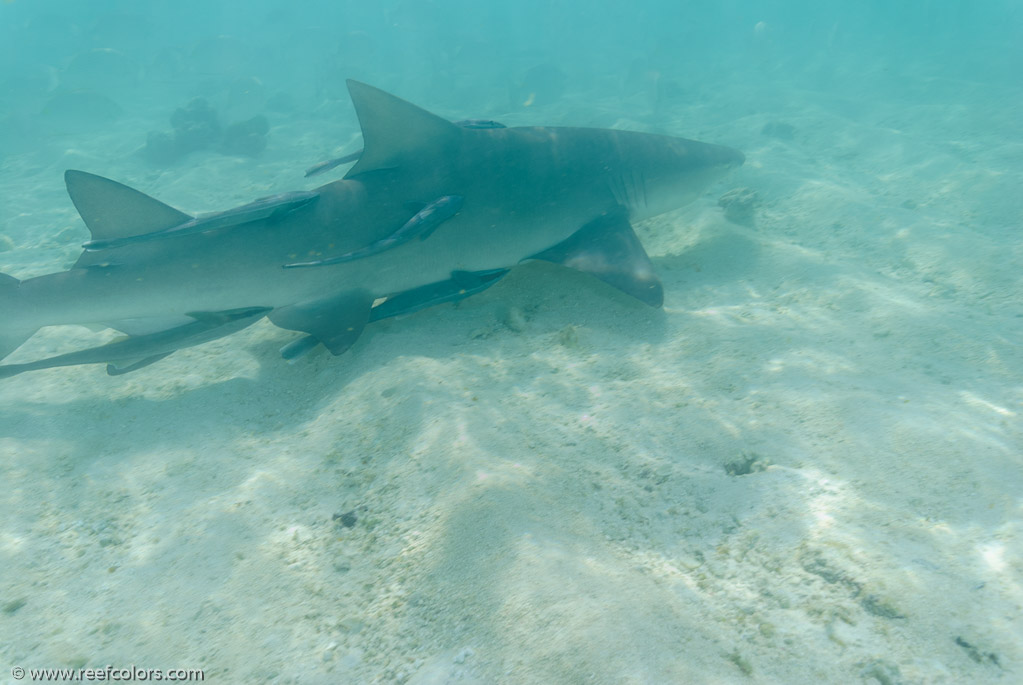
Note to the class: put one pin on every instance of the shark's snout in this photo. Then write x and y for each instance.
(701, 157)
(727, 157)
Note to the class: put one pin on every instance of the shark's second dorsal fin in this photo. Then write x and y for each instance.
(112, 210)
(392, 128)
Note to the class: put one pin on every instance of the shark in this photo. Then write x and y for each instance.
(431, 211)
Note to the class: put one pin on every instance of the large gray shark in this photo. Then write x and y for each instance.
(432, 211)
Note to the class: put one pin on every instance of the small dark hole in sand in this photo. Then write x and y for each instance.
(347, 519)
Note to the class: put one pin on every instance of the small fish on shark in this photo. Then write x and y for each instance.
(425, 222)
(271, 207)
(322, 167)
(137, 351)
(432, 211)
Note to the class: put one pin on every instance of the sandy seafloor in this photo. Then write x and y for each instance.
(807, 468)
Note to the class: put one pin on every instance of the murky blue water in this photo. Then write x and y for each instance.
(806, 467)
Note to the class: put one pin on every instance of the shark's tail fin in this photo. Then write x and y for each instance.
(10, 338)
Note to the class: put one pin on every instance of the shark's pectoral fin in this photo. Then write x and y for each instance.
(608, 248)
(123, 367)
(335, 321)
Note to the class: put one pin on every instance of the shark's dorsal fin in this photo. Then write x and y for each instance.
(391, 128)
(112, 210)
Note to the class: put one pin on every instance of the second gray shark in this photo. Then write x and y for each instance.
(432, 211)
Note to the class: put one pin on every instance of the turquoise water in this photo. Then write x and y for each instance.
(805, 467)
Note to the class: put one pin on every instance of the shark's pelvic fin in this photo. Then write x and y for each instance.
(608, 248)
(395, 130)
(421, 225)
(336, 321)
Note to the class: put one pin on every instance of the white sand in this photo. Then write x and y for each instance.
(549, 479)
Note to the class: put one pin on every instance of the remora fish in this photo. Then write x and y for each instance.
(136, 351)
(263, 208)
(322, 167)
(564, 195)
(420, 226)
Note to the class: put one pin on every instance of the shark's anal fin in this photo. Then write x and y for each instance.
(336, 321)
(273, 207)
(608, 248)
(421, 225)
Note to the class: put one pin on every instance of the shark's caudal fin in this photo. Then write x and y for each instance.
(10, 338)
(395, 130)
